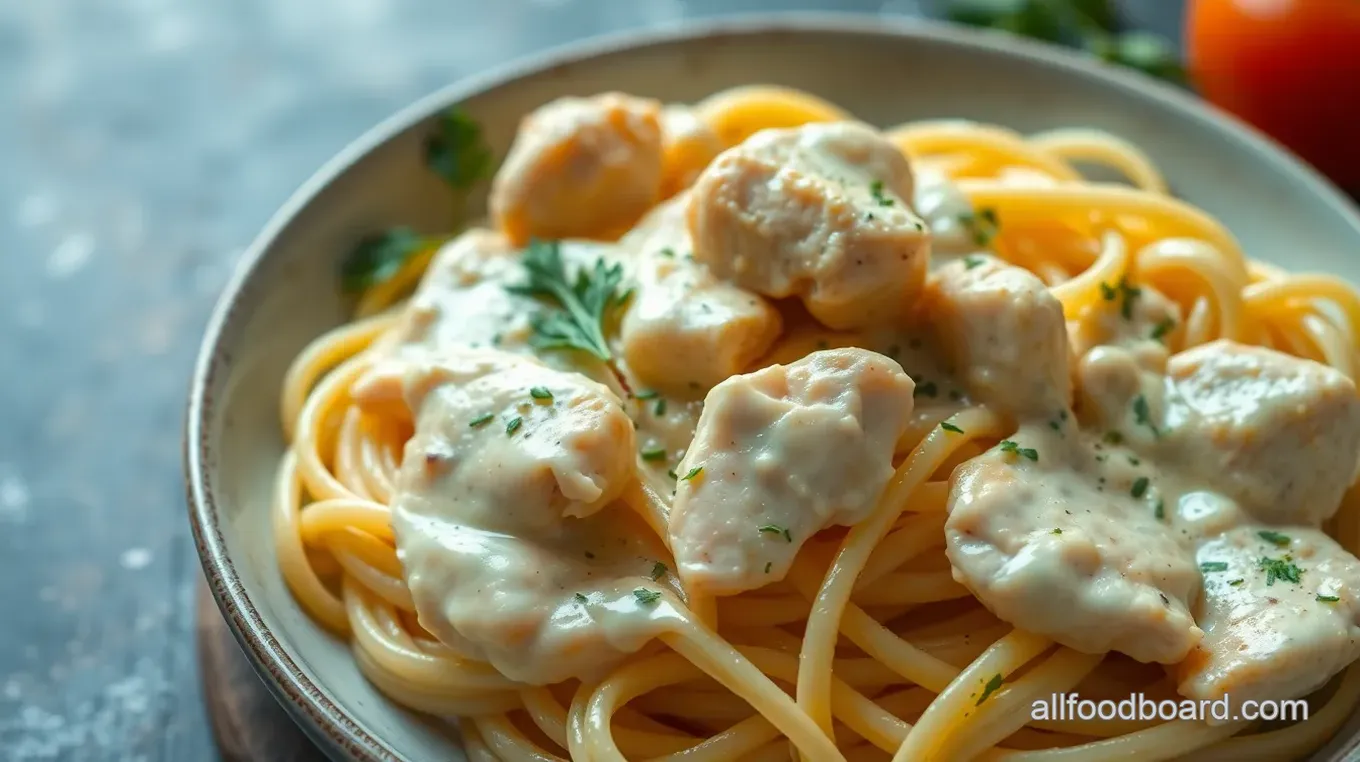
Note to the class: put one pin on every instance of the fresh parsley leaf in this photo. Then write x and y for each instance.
(983, 224)
(992, 686)
(581, 305)
(876, 190)
(1009, 446)
(1139, 487)
(1143, 416)
(377, 258)
(1274, 538)
(1279, 568)
(776, 529)
(1167, 325)
(457, 151)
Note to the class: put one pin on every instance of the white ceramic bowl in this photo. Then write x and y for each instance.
(284, 291)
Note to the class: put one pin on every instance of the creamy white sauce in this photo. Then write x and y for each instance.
(1269, 636)
(504, 521)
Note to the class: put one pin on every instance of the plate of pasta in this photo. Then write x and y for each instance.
(803, 387)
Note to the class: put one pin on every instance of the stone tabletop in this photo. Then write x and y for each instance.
(143, 143)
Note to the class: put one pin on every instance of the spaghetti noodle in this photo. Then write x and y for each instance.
(868, 650)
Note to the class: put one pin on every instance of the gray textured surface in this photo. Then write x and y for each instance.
(143, 144)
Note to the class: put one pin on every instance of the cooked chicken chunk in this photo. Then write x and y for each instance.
(580, 168)
(1062, 545)
(1279, 434)
(819, 212)
(501, 520)
(686, 330)
(1004, 333)
(780, 454)
(1280, 612)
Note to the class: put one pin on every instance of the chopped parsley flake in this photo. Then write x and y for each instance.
(590, 555)
(1009, 446)
(1236, 582)
(659, 570)
(1143, 415)
(1114, 437)
(646, 394)
(983, 225)
(481, 420)
(1107, 292)
(928, 389)
(1279, 568)
(947, 426)
(671, 473)
(646, 597)
(668, 252)
(1139, 487)
(1329, 598)
(540, 393)
(1213, 566)
(1167, 325)
(513, 425)
(991, 687)
(972, 261)
(1057, 531)
(776, 529)
(1274, 538)
(1160, 510)
(658, 453)
(868, 216)
(581, 598)
(768, 565)
(660, 408)
(876, 190)
(693, 472)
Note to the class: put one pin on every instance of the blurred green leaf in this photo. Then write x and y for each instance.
(1100, 13)
(1028, 18)
(1149, 53)
(377, 258)
(1093, 24)
(457, 152)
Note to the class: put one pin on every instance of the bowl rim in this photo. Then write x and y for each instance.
(321, 719)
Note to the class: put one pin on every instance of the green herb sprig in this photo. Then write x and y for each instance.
(1092, 25)
(577, 307)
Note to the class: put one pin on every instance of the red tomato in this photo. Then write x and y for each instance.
(1289, 67)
